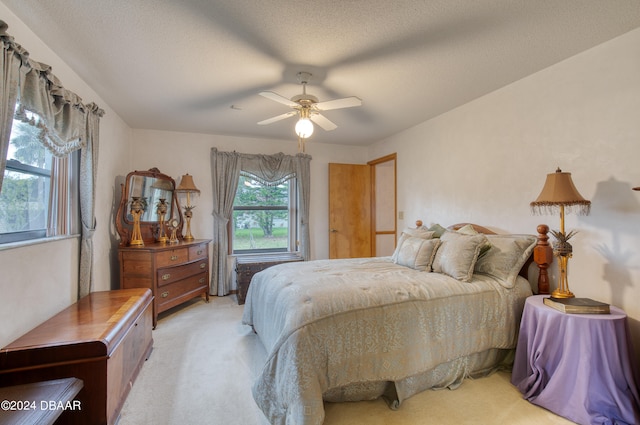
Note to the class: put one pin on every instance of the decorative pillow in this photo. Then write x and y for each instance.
(419, 232)
(468, 229)
(437, 230)
(416, 253)
(506, 257)
(457, 254)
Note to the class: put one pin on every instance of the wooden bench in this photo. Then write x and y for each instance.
(103, 340)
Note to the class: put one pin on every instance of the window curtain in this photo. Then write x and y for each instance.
(225, 173)
(58, 220)
(11, 63)
(66, 125)
(270, 169)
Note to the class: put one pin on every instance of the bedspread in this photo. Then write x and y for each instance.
(328, 324)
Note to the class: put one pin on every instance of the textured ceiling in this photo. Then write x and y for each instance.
(198, 65)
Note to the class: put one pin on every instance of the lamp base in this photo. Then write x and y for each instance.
(557, 293)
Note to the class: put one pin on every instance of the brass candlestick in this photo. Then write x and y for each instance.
(162, 211)
(187, 215)
(138, 207)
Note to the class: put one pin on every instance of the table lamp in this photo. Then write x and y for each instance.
(188, 188)
(559, 193)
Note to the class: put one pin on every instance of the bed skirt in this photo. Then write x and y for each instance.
(447, 375)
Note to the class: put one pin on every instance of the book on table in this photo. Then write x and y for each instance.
(577, 305)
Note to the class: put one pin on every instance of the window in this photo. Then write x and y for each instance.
(27, 207)
(264, 216)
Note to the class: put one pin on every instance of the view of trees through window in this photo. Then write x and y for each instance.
(24, 197)
(261, 216)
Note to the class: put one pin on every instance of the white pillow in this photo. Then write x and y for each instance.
(417, 253)
(505, 258)
(457, 254)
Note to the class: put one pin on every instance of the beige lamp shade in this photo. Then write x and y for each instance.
(187, 185)
(558, 191)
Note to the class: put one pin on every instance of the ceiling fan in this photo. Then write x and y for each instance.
(308, 108)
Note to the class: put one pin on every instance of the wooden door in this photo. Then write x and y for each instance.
(349, 210)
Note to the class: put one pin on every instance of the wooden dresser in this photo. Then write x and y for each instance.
(175, 273)
(103, 340)
(248, 265)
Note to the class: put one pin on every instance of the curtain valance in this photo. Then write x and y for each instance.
(270, 170)
(62, 112)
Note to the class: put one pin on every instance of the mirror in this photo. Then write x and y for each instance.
(149, 187)
(152, 190)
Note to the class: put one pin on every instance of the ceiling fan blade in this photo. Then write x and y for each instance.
(346, 102)
(323, 122)
(280, 99)
(278, 118)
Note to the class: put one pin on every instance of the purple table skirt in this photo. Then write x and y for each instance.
(577, 365)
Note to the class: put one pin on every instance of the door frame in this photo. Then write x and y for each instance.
(374, 232)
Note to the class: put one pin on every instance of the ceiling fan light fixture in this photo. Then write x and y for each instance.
(304, 128)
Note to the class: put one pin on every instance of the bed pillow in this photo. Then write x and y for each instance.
(506, 257)
(468, 229)
(419, 232)
(457, 254)
(437, 230)
(414, 252)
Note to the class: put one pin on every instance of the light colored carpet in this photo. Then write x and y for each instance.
(204, 362)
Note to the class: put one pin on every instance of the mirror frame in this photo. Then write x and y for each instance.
(148, 229)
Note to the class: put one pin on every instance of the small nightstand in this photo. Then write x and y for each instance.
(577, 365)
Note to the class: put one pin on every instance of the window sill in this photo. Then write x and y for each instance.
(21, 244)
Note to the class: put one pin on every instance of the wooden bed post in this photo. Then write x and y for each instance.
(543, 256)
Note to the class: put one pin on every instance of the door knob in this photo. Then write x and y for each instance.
(333, 230)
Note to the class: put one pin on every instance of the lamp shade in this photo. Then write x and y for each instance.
(187, 185)
(559, 190)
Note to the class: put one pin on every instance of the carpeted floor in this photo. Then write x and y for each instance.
(204, 362)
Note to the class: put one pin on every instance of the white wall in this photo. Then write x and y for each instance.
(176, 154)
(37, 281)
(485, 162)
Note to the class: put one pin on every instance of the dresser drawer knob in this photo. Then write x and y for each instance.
(199, 252)
(165, 294)
(166, 276)
(203, 265)
(174, 257)
(201, 280)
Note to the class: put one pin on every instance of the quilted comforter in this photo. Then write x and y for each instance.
(362, 328)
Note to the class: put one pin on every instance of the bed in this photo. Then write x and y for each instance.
(445, 306)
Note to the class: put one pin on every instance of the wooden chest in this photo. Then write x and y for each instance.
(248, 265)
(174, 273)
(103, 339)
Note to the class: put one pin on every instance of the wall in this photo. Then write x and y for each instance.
(190, 153)
(485, 162)
(40, 280)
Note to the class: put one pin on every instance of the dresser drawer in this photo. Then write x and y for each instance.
(172, 294)
(198, 252)
(136, 263)
(171, 274)
(172, 257)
